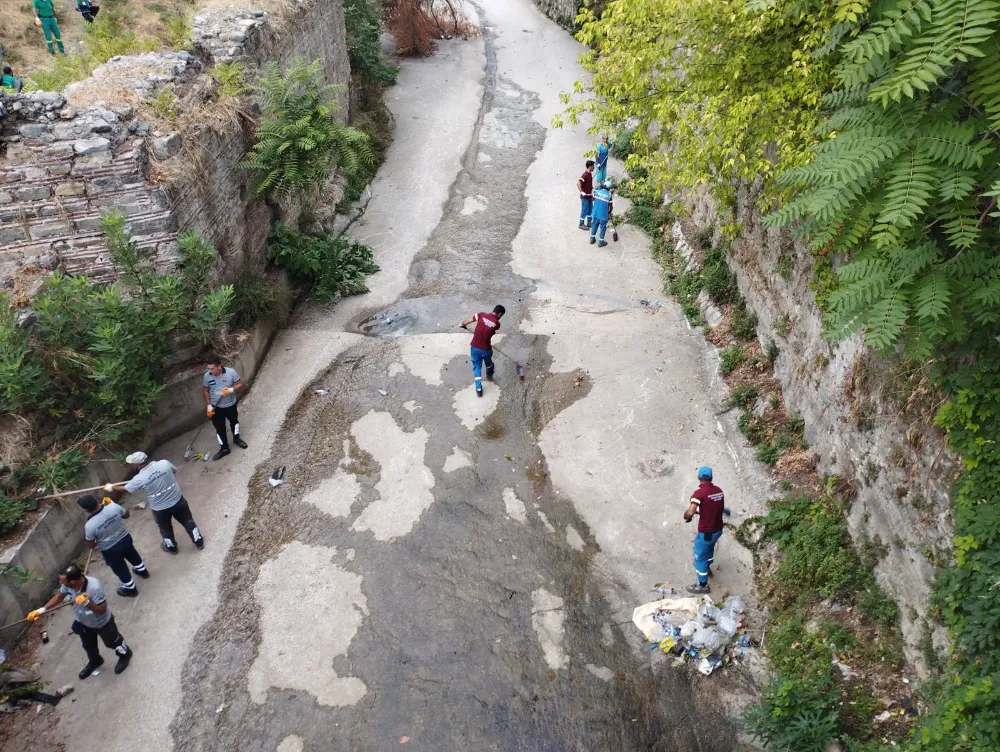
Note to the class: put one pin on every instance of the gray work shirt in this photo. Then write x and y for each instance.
(83, 614)
(106, 526)
(157, 478)
(215, 385)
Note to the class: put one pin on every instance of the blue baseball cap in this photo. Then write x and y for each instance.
(704, 473)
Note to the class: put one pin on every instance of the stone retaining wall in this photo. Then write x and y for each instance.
(563, 12)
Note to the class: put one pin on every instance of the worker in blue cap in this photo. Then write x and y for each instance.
(709, 503)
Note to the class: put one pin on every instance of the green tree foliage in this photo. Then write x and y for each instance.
(299, 141)
(904, 185)
(95, 355)
(733, 87)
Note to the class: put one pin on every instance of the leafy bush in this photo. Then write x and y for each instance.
(176, 22)
(11, 513)
(879, 607)
(255, 297)
(743, 396)
(686, 286)
(299, 141)
(232, 78)
(364, 43)
(58, 472)
(649, 215)
(621, 147)
(744, 322)
(331, 265)
(97, 351)
(753, 427)
(720, 282)
(731, 358)
(794, 715)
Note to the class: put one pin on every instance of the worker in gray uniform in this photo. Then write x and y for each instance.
(105, 529)
(220, 385)
(165, 499)
(92, 618)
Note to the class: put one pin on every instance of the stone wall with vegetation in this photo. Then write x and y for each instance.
(563, 12)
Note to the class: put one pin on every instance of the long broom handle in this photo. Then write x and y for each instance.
(79, 491)
(54, 608)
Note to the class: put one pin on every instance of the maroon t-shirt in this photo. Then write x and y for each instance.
(588, 181)
(486, 326)
(711, 502)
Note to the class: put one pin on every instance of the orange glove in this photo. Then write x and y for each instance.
(34, 615)
(108, 488)
(226, 391)
(209, 411)
(106, 500)
(82, 599)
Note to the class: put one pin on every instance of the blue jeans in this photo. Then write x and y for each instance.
(478, 358)
(586, 208)
(598, 223)
(704, 554)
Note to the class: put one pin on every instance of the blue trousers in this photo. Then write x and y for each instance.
(600, 173)
(704, 554)
(601, 224)
(586, 208)
(478, 358)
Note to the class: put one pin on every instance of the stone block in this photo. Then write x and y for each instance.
(32, 174)
(59, 151)
(60, 169)
(83, 165)
(73, 188)
(12, 234)
(65, 131)
(166, 146)
(6, 197)
(87, 224)
(46, 230)
(91, 145)
(102, 185)
(33, 130)
(33, 193)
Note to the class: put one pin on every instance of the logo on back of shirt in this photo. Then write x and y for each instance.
(490, 323)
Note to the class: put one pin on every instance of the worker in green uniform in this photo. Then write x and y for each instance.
(45, 16)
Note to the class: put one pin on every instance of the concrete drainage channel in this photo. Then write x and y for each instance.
(451, 592)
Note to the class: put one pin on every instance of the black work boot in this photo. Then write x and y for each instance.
(197, 538)
(168, 549)
(92, 665)
(479, 390)
(489, 375)
(699, 589)
(224, 452)
(128, 592)
(123, 659)
(144, 573)
(239, 442)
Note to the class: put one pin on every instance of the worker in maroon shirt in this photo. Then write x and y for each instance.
(709, 503)
(487, 325)
(586, 187)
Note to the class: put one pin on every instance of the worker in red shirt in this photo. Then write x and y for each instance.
(585, 185)
(487, 325)
(709, 503)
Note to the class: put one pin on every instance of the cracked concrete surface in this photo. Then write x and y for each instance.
(457, 570)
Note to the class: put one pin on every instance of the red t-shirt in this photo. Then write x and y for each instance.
(711, 502)
(486, 326)
(588, 181)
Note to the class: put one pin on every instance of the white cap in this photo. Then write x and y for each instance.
(136, 458)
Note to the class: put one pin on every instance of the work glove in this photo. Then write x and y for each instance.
(34, 615)
(226, 391)
(688, 519)
(209, 411)
(106, 500)
(108, 488)
(82, 599)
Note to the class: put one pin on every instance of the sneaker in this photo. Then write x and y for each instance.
(602, 244)
(128, 592)
(168, 549)
(698, 589)
(91, 667)
(239, 442)
(224, 452)
(592, 240)
(199, 544)
(582, 226)
(479, 391)
(144, 573)
(123, 661)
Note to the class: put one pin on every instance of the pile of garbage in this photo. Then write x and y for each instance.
(695, 629)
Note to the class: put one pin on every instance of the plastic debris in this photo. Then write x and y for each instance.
(383, 392)
(141, 505)
(277, 477)
(322, 392)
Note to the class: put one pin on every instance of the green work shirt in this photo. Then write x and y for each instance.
(44, 9)
(8, 81)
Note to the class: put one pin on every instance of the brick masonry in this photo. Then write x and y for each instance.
(61, 166)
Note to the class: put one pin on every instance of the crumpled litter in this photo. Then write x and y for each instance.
(692, 628)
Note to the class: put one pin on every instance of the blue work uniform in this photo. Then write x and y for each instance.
(602, 211)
